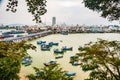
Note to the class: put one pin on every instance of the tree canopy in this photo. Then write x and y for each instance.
(10, 59)
(108, 8)
(102, 59)
(51, 72)
(36, 7)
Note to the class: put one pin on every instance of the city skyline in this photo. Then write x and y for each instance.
(66, 11)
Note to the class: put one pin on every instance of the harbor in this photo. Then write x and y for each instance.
(75, 40)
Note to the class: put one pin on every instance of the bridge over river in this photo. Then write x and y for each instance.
(26, 37)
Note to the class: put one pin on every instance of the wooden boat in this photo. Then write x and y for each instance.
(58, 51)
(75, 63)
(65, 48)
(26, 61)
(70, 73)
(40, 42)
(52, 62)
(59, 56)
(53, 43)
(45, 49)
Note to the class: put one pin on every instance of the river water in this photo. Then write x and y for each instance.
(70, 40)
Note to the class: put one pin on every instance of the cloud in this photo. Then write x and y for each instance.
(66, 11)
(69, 3)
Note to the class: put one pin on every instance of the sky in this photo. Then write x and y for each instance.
(70, 12)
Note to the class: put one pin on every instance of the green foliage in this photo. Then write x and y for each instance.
(108, 8)
(35, 7)
(12, 4)
(9, 67)
(10, 59)
(49, 73)
(102, 58)
(74, 58)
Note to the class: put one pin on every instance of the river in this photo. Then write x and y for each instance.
(70, 40)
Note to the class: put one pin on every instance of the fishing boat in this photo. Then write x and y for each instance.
(53, 43)
(26, 61)
(59, 56)
(58, 51)
(70, 73)
(40, 42)
(65, 48)
(75, 63)
(45, 47)
(52, 62)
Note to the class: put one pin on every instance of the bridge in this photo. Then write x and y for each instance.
(27, 37)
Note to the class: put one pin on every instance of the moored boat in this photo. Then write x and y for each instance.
(26, 61)
(70, 73)
(40, 42)
(59, 56)
(75, 63)
(65, 48)
(52, 62)
(45, 49)
(52, 43)
(58, 51)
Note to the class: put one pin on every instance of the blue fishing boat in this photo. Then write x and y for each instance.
(75, 63)
(70, 73)
(26, 61)
(40, 42)
(45, 49)
(53, 43)
(52, 62)
(58, 51)
(65, 48)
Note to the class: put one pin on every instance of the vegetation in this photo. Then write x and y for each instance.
(35, 7)
(10, 59)
(108, 8)
(102, 59)
(49, 73)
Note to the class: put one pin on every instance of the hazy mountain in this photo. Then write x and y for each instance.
(11, 25)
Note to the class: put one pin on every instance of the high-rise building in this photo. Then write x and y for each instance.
(53, 21)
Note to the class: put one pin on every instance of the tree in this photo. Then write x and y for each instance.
(102, 59)
(35, 7)
(52, 72)
(108, 8)
(10, 59)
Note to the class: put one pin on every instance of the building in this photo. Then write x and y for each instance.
(53, 21)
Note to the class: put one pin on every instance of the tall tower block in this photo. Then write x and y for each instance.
(53, 21)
